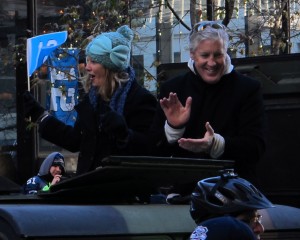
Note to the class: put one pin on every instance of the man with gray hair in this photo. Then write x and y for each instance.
(212, 111)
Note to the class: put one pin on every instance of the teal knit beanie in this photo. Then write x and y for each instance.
(112, 49)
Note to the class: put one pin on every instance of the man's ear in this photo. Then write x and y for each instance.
(192, 55)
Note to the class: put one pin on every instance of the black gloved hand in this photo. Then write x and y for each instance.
(31, 107)
(114, 125)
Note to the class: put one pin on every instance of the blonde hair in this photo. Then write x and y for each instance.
(112, 81)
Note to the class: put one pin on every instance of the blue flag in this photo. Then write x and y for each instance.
(40, 47)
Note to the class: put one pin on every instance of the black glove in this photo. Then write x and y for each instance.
(114, 125)
(31, 107)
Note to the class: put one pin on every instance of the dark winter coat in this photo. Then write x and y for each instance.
(234, 108)
(91, 143)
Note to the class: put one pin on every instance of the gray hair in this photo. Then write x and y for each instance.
(208, 33)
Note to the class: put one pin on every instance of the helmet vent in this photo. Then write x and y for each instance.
(256, 191)
(242, 192)
(221, 197)
(216, 200)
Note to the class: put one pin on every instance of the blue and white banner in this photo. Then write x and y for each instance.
(40, 47)
(64, 75)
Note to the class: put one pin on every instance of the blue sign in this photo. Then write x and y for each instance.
(39, 48)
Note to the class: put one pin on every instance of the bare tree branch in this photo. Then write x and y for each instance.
(176, 16)
(229, 6)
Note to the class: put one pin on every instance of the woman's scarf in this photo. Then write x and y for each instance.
(118, 99)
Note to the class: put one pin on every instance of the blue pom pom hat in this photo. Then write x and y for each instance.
(112, 49)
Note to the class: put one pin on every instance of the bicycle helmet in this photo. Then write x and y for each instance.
(226, 194)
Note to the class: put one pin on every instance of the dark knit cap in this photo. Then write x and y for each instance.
(59, 161)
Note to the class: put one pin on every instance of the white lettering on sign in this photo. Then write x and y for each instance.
(66, 99)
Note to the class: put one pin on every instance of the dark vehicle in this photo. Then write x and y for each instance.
(117, 201)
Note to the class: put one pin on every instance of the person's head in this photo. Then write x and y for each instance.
(58, 165)
(107, 60)
(208, 48)
(228, 194)
(53, 164)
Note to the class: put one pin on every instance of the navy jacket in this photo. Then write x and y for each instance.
(225, 228)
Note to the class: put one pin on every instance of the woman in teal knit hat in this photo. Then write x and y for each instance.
(115, 113)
